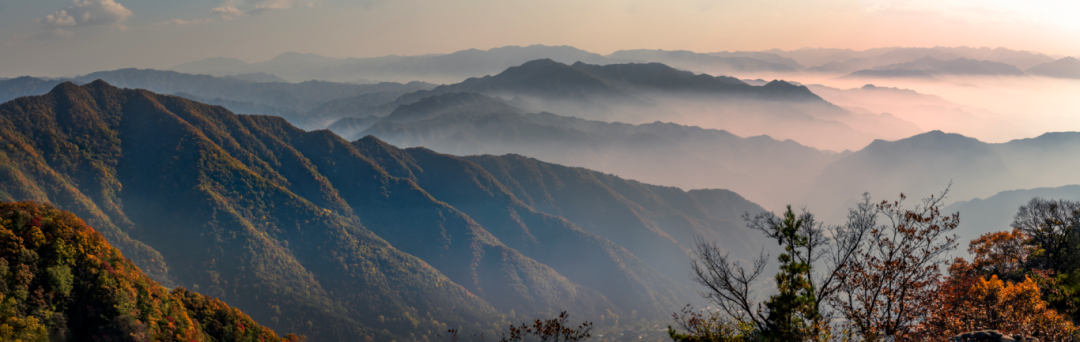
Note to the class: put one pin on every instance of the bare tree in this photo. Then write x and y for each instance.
(1053, 226)
(886, 286)
(731, 286)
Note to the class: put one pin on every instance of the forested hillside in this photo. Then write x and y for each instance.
(60, 280)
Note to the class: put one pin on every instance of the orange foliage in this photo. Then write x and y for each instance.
(968, 303)
(1000, 253)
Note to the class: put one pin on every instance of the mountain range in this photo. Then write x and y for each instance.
(766, 170)
(457, 66)
(333, 239)
(995, 213)
(1068, 67)
(640, 93)
(843, 61)
(714, 63)
(927, 163)
(298, 102)
(664, 153)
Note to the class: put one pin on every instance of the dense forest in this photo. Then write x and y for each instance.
(60, 280)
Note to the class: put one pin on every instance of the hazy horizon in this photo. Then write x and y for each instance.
(64, 38)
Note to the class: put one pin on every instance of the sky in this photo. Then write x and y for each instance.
(70, 37)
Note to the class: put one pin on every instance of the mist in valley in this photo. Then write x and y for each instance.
(363, 192)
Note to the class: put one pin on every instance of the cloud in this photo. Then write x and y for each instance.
(231, 10)
(228, 11)
(86, 13)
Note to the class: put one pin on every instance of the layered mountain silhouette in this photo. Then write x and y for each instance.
(640, 93)
(996, 213)
(1068, 67)
(701, 62)
(24, 86)
(457, 66)
(765, 56)
(846, 60)
(333, 239)
(926, 164)
(62, 281)
(442, 68)
(664, 153)
(310, 105)
(257, 77)
(928, 67)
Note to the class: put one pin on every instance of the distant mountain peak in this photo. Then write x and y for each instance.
(1066, 67)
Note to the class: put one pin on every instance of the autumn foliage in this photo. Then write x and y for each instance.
(60, 280)
(969, 302)
(881, 272)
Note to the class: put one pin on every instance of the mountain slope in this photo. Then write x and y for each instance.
(76, 285)
(959, 66)
(925, 164)
(1068, 67)
(627, 281)
(217, 208)
(995, 213)
(759, 167)
(24, 86)
(345, 237)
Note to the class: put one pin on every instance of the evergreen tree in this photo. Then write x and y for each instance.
(790, 310)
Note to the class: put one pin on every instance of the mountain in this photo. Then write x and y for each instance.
(356, 104)
(334, 239)
(689, 157)
(1067, 67)
(433, 106)
(219, 66)
(24, 86)
(925, 164)
(439, 68)
(62, 281)
(765, 56)
(351, 126)
(959, 66)
(295, 58)
(847, 61)
(300, 103)
(304, 95)
(995, 213)
(257, 77)
(641, 93)
(891, 73)
(702, 62)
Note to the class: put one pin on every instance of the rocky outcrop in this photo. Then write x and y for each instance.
(990, 336)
